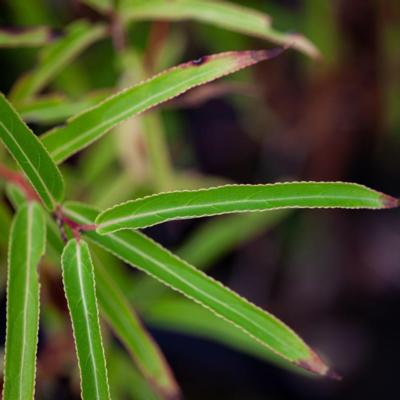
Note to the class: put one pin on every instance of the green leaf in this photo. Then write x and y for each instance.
(51, 109)
(129, 329)
(180, 315)
(27, 245)
(55, 57)
(89, 126)
(18, 198)
(102, 6)
(33, 37)
(223, 14)
(126, 382)
(217, 237)
(30, 155)
(15, 195)
(79, 285)
(137, 250)
(162, 207)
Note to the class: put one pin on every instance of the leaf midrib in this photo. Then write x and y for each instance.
(123, 114)
(44, 186)
(230, 202)
(255, 308)
(26, 296)
(87, 315)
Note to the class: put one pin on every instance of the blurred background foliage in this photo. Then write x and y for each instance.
(334, 276)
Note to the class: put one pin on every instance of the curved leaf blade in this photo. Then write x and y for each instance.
(79, 36)
(79, 286)
(30, 155)
(155, 209)
(27, 245)
(127, 326)
(177, 314)
(220, 13)
(89, 126)
(137, 250)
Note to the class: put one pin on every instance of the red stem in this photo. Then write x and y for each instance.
(16, 178)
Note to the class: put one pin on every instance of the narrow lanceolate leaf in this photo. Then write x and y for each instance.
(123, 320)
(89, 126)
(220, 13)
(180, 315)
(30, 155)
(79, 286)
(168, 206)
(55, 57)
(33, 37)
(137, 250)
(27, 244)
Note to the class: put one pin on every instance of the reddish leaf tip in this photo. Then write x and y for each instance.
(333, 375)
(261, 55)
(389, 201)
(315, 365)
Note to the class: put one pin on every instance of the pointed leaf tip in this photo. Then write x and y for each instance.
(267, 54)
(389, 201)
(314, 364)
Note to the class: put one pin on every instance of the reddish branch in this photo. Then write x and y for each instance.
(17, 179)
(62, 220)
(76, 228)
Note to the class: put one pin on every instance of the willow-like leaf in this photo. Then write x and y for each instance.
(137, 250)
(220, 13)
(55, 57)
(127, 326)
(162, 207)
(27, 245)
(180, 315)
(30, 155)
(33, 37)
(89, 126)
(79, 285)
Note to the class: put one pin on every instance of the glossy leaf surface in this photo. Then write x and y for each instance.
(137, 250)
(27, 245)
(162, 207)
(89, 126)
(30, 155)
(79, 286)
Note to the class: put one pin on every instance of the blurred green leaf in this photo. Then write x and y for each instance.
(27, 245)
(180, 315)
(217, 237)
(79, 285)
(33, 37)
(102, 6)
(126, 382)
(30, 155)
(224, 14)
(137, 250)
(51, 109)
(15, 195)
(152, 210)
(89, 126)
(55, 57)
